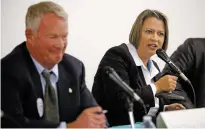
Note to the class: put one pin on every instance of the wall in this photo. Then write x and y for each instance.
(96, 25)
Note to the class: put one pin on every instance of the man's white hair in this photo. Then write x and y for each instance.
(37, 11)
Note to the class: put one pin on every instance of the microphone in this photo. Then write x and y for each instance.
(116, 78)
(162, 55)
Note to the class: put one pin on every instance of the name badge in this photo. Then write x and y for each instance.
(39, 103)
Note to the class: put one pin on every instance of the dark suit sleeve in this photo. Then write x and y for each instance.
(12, 107)
(183, 58)
(87, 100)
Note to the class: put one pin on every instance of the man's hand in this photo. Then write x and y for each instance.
(166, 83)
(90, 118)
(174, 106)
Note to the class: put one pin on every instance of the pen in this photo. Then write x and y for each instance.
(103, 111)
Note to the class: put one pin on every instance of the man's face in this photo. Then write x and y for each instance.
(49, 43)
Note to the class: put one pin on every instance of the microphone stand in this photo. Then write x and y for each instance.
(130, 104)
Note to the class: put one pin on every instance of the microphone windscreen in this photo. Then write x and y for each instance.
(108, 69)
(162, 55)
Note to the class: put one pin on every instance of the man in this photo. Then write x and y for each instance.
(190, 59)
(42, 86)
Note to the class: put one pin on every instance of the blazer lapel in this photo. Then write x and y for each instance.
(34, 81)
(140, 77)
(135, 69)
(66, 92)
(36, 84)
(33, 76)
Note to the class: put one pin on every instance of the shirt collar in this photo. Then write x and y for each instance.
(40, 68)
(153, 70)
(134, 54)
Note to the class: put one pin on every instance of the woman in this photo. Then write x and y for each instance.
(134, 65)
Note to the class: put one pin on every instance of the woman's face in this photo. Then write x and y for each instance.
(151, 37)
